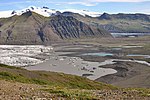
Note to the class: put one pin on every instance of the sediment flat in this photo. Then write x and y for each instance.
(74, 66)
(129, 74)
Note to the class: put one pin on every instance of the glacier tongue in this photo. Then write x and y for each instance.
(16, 55)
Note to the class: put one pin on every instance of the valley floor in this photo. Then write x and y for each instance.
(128, 56)
(110, 60)
(131, 59)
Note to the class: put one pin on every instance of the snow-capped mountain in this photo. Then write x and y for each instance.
(45, 11)
(82, 12)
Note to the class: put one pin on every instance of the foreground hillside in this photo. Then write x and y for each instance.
(17, 83)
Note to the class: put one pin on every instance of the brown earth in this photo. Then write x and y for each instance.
(22, 91)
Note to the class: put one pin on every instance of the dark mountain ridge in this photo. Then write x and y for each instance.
(32, 28)
(69, 27)
(117, 23)
(106, 16)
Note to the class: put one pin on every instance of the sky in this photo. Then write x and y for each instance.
(108, 6)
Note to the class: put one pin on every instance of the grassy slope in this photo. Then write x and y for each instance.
(49, 78)
(68, 86)
(130, 25)
(58, 84)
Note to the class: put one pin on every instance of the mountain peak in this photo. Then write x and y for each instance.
(28, 13)
(105, 16)
(45, 11)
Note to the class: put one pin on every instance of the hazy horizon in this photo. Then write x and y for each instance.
(101, 6)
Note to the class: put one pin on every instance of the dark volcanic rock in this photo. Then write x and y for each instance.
(13, 12)
(105, 16)
(1, 24)
(69, 27)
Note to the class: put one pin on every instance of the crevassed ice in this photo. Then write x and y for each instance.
(18, 55)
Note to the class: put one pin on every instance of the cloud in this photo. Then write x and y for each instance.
(11, 3)
(116, 0)
(63, 2)
(83, 3)
(15, 3)
(73, 3)
(95, 2)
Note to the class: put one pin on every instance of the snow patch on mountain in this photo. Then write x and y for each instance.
(5, 14)
(82, 12)
(45, 11)
(42, 11)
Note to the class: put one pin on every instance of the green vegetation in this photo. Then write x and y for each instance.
(11, 67)
(71, 93)
(49, 78)
(67, 86)
(59, 84)
(22, 79)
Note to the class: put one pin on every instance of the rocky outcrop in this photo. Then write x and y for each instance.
(105, 16)
(69, 27)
